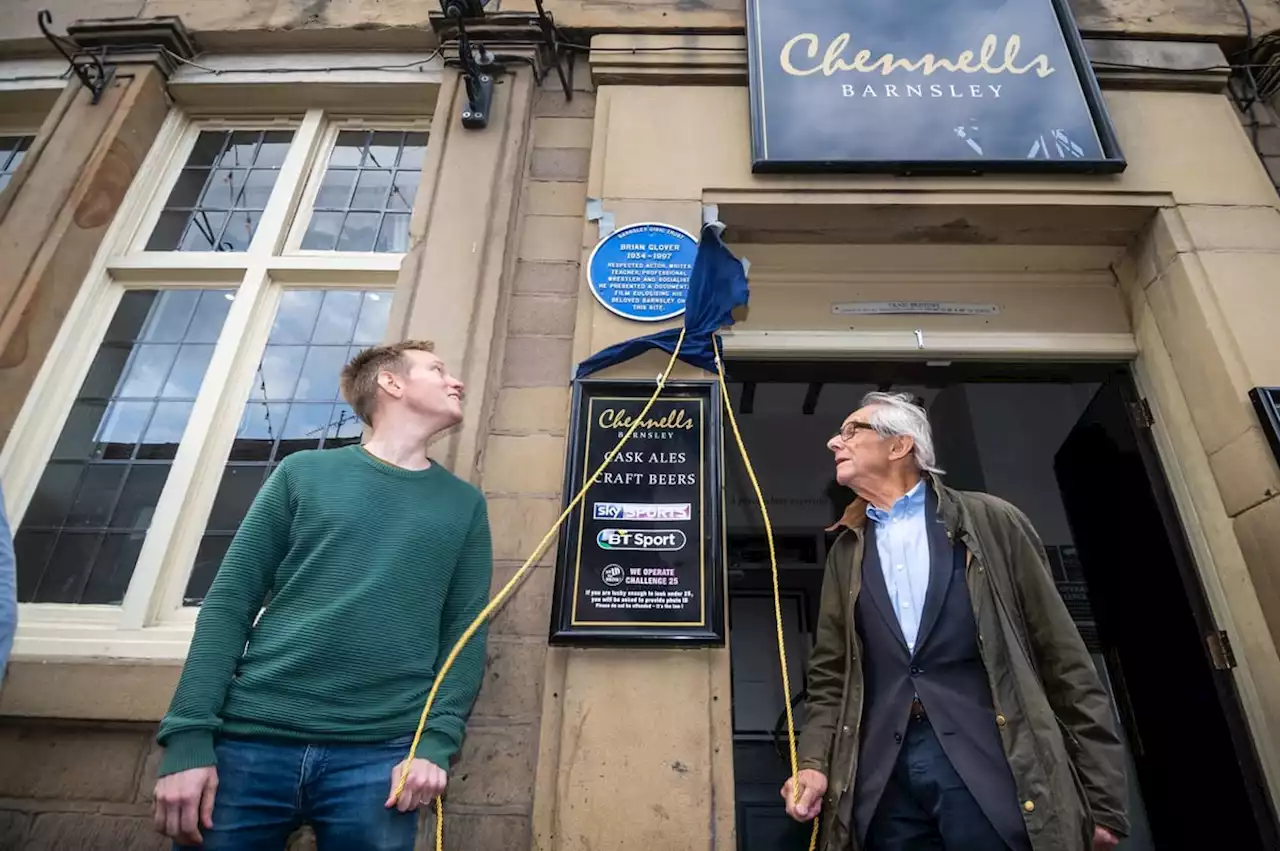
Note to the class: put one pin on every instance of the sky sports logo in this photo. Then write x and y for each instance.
(663, 512)
(658, 540)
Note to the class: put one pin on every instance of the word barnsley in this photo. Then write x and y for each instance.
(934, 90)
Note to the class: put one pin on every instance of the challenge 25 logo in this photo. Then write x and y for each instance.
(658, 540)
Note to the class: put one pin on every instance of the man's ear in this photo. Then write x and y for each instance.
(390, 383)
(903, 445)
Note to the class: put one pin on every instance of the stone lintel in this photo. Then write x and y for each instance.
(622, 59)
(163, 41)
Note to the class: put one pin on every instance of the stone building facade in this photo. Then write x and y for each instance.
(477, 241)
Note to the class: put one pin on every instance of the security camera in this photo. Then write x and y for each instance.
(463, 8)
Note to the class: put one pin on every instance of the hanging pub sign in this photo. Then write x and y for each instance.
(640, 558)
(924, 86)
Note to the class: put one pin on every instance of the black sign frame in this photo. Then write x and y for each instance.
(1266, 401)
(1112, 161)
(576, 542)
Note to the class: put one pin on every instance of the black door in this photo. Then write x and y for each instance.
(1196, 763)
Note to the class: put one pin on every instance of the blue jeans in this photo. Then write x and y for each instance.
(926, 806)
(268, 789)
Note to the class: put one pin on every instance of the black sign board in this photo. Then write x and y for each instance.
(640, 559)
(1266, 401)
(924, 86)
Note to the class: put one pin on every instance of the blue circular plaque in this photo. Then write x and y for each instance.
(642, 271)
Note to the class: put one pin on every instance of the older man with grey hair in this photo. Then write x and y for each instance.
(952, 703)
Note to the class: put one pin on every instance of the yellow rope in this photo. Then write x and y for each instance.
(777, 600)
(502, 595)
(500, 598)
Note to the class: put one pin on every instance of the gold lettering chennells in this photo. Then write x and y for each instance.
(611, 418)
(966, 63)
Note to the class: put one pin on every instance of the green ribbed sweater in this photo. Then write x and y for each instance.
(373, 574)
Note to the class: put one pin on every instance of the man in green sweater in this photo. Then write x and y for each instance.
(370, 561)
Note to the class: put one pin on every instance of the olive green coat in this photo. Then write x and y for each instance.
(1054, 716)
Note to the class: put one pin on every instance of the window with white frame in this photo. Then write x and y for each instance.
(249, 263)
(13, 150)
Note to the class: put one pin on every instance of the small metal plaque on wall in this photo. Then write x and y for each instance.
(1266, 401)
(640, 560)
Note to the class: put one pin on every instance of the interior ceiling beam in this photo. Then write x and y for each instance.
(748, 401)
(811, 398)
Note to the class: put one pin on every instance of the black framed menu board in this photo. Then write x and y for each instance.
(640, 560)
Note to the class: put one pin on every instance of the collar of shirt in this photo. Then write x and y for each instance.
(908, 505)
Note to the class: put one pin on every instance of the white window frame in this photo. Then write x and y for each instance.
(152, 623)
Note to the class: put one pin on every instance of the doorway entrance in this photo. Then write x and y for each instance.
(1070, 445)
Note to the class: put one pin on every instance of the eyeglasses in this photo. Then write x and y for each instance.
(849, 429)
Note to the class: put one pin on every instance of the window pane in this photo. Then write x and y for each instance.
(13, 149)
(241, 148)
(164, 431)
(303, 429)
(335, 189)
(415, 150)
(320, 373)
(296, 318)
(275, 144)
(84, 528)
(278, 372)
(191, 183)
(337, 317)
(374, 310)
(394, 235)
(148, 369)
(371, 190)
(405, 188)
(239, 232)
(293, 407)
(384, 149)
(322, 232)
(344, 429)
(349, 148)
(210, 314)
(208, 145)
(109, 578)
(216, 202)
(204, 231)
(208, 560)
(358, 232)
(369, 172)
(168, 322)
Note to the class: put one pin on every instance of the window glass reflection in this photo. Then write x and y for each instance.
(81, 535)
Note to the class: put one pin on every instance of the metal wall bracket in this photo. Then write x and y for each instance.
(552, 35)
(87, 66)
(478, 69)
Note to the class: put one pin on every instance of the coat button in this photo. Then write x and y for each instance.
(1000, 721)
(1029, 806)
(897, 737)
(846, 728)
(915, 671)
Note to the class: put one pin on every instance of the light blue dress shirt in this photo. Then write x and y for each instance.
(902, 541)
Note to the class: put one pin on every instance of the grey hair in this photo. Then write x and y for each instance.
(894, 414)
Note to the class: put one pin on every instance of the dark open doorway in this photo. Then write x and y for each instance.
(1067, 443)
